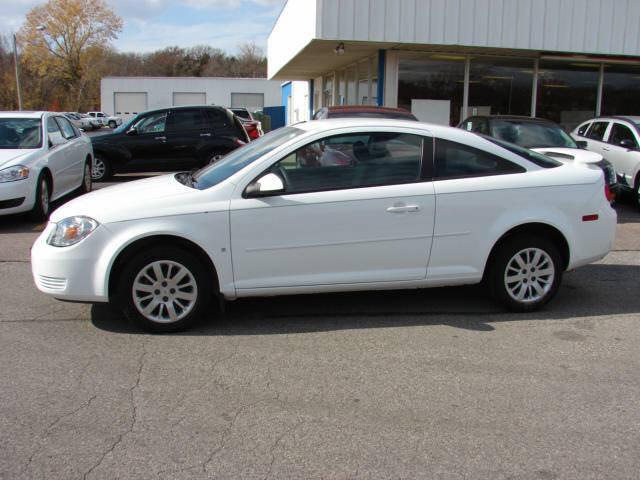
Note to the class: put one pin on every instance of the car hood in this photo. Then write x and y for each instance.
(152, 197)
(11, 156)
(567, 155)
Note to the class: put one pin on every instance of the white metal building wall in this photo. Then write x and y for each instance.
(607, 27)
(160, 90)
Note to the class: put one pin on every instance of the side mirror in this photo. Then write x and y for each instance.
(266, 185)
(582, 144)
(132, 131)
(628, 144)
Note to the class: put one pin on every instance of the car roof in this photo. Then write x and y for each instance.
(24, 114)
(628, 118)
(352, 122)
(519, 118)
(366, 108)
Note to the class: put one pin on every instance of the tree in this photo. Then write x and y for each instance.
(65, 39)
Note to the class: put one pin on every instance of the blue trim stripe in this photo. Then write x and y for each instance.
(381, 65)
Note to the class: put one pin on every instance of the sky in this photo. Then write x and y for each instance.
(153, 24)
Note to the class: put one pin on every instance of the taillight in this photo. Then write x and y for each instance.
(608, 193)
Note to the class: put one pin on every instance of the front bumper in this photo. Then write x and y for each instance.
(70, 273)
(11, 192)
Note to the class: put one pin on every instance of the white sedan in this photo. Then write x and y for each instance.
(43, 157)
(415, 206)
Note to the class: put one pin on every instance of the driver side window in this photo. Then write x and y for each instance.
(352, 161)
(153, 123)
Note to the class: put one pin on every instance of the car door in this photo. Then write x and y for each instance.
(596, 136)
(472, 189)
(185, 133)
(622, 151)
(146, 143)
(58, 159)
(76, 151)
(355, 209)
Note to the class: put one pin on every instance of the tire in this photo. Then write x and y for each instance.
(101, 169)
(636, 192)
(87, 182)
(525, 273)
(112, 124)
(151, 287)
(42, 206)
(215, 157)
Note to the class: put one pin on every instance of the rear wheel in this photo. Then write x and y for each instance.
(112, 124)
(101, 170)
(42, 206)
(526, 273)
(165, 289)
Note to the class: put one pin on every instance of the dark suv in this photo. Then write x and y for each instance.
(169, 139)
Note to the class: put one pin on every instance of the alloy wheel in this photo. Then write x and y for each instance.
(98, 169)
(44, 196)
(529, 275)
(164, 291)
(87, 177)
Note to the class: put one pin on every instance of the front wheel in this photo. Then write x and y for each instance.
(216, 157)
(101, 170)
(42, 205)
(526, 273)
(86, 185)
(165, 290)
(112, 124)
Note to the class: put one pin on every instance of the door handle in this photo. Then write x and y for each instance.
(205, 134)
(403, 208)
(606, 149)
(160, 138)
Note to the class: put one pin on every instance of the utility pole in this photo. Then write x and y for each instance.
(15, 61)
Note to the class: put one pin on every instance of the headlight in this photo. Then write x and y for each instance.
(71, 230)
(11, 174)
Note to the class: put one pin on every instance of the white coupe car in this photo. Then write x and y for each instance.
(327, 206)
(43, 157)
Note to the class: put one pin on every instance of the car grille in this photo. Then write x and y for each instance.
(52, 283)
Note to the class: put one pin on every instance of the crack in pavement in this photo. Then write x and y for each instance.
(84, 405)
(134, 413)
(287, 432)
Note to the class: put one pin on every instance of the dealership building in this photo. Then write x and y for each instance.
(128, 96)
(565, 60)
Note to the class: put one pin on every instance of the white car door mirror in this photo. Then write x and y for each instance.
(266, 185)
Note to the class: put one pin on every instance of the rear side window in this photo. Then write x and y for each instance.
(597, 130)
(185, 120)
(582, 129)
(619, 133)
(217, 118)
(455, 160)
(476, 125)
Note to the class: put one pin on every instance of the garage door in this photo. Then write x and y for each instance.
(129, 104)
(250, 101)
(189, 98)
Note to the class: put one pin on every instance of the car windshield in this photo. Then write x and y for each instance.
(534, 157)
(238, 159)
(531, 134)
(126, 125)
(20, 133)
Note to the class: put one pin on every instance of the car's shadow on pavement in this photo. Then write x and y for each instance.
(591, 291)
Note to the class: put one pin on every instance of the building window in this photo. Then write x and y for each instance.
(621, 90)
(567, 92)
(500, 86)
(432, 86)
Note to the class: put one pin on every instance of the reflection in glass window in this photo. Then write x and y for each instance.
(455, 160)
(352, 161)
(621, 90)
(567, 92)
(153, 123)
(500, 86)
(438, 78)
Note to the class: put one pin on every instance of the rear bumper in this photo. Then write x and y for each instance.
(595, 239)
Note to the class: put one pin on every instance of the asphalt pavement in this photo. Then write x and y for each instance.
(434, 384)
